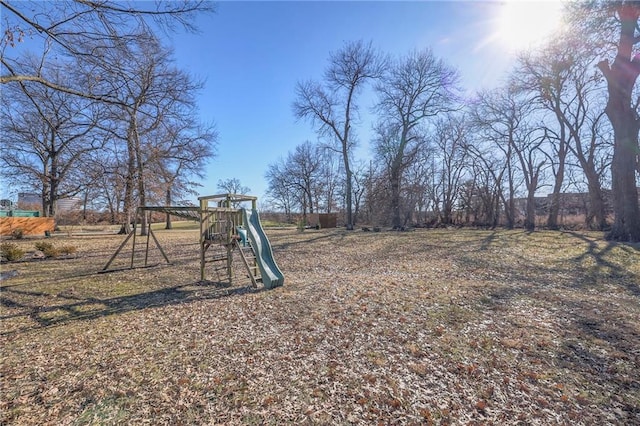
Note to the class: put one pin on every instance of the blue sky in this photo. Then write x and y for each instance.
(252, 54)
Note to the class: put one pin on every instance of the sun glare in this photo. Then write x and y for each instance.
(527, 24)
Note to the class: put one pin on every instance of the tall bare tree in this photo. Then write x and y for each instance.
(450, 150)
(331, 106)
(152, 95)
(564, 84)
(621, 75)
(46, 135)
(415, 88)
(546, 76)
(496, 118)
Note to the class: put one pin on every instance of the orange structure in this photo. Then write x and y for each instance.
(28, 225)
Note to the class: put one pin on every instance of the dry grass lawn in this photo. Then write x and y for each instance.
(423, 327)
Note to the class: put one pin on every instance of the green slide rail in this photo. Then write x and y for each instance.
(271, 274)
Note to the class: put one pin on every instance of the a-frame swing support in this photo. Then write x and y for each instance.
(131, 235)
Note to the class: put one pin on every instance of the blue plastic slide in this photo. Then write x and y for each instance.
(271, 274)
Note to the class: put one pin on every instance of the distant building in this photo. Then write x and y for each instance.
(6, 204)
(29, 198)
(68, 204)
(571, 203)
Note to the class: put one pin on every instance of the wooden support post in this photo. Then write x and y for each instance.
(133, 249)
(158, 245)
(117, 252)
(204, 222)
(229, 244)
(146, 251)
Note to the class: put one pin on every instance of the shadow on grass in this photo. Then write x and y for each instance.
(599, 256)
(76, 308)
(321, 235)
(597, 337)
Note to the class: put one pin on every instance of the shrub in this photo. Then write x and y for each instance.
(17, 233)
(11, 251)
(68, 250)
(48, 249)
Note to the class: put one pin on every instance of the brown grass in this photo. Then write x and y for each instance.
(425, 327)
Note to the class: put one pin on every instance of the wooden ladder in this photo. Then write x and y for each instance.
(250, 262)
(219, 260)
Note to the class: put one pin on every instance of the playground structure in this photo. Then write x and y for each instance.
(224, 229)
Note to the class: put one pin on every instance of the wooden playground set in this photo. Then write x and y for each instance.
(224, 229)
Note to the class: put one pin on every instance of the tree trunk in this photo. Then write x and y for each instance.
(597, 211)
(129, 183)
(554, 208)
(348, 189)
(447, 218)
(345, 159)
(168, 224)
(395, 196)
(53, 189)
(85, 201)
(510, 207)
(530, 219)
(626, 226)
(596, 218)
(141, 186)
(621, 77)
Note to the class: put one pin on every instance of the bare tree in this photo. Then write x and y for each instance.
(496, 117)
(414, 88)
(592, 148)
(100, 37)
(488, 171)
(177, 155)
(82, 30)
(419, 184)
(304, 169)
(621, 76)
(328, 180)
(501, 117)
(360, 187)
(532, 157)
(331, 107)
(233, 186)
(450, 151)
(280, 190)
(300, 174)
(562, 77)
(46, 135)
(153, 95)
(546, 77)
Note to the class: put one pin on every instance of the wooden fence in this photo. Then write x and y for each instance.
(28, 225)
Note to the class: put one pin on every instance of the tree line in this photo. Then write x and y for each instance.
(564, 120)
(101, 111)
